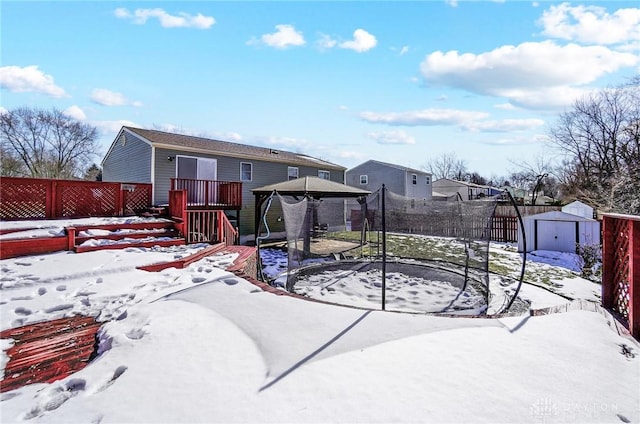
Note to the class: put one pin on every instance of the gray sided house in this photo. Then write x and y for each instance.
(461, 190)
(151, 156)
(401, 180)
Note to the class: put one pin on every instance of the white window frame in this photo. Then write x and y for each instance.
(250, 171)
(414, 179)
(293, 170)
(364, 179)
(327, 174)
(428, 180)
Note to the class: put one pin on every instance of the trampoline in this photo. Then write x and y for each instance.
(386, 251)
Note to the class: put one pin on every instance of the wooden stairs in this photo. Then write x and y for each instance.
(120, 236)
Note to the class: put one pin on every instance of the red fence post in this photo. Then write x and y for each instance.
(634, 279)
(52, 200)
(608, 258)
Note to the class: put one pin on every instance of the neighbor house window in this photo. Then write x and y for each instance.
(364, 179)
(292, 172)
(246, 171)
(414, 179)
(428, 180)
(325, 175)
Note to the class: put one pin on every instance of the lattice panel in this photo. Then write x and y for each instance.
(621, 257)
(23, 201)
(137, 200)
(88, 200)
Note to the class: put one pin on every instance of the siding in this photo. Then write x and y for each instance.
(395, 179)
(130, 163)
(264, 173)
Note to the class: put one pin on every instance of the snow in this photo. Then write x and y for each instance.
(201, 344)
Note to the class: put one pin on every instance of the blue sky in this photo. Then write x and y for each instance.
(399, 82)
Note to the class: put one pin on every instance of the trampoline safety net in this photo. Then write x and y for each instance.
(392, 252)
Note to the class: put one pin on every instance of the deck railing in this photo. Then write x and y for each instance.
(39, 198)
(621, 268)
(200, 225)
(209, 193)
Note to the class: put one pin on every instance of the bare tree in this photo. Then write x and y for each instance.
(47, 144)
(447, 165)
(600, 141)
(535, 176)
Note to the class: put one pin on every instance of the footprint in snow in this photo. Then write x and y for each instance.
(61, 287)
(42, 291)
(55, 397)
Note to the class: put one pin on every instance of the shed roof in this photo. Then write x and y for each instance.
(226, 148)
(312, 186)
(558, 216)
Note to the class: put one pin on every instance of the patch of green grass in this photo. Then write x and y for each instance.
(502, 261)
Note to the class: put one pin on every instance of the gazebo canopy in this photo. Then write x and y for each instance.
(315, 187)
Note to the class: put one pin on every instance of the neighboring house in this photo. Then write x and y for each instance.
(151, 156)
(525, 197)
(401, 180)
(461, 189)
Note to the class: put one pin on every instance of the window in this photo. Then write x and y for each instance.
(364, 179)
(414, 179)
(246, 171)
(428, 180)
(325, 175)
(292, 172)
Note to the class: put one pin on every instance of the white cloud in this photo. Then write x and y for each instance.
(505, 125)
(75, 112)
(452, 3)
(181, 20)
(591, 24)
(362, 41)
(527, 74)
(391, 137)
(29, 79)
(404, 50)
(505, 106)
(285, 36)
(423, 117)
(106, 97)
(326, 42)
(516, 140)
(3, 110)
(112, 127)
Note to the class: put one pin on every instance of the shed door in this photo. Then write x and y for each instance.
(559, 236)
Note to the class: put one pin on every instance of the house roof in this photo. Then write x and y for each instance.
(459, 183)
(226, 148)
(312, 186)
(391, 165)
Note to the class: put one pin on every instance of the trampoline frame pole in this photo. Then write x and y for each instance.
(384, 250)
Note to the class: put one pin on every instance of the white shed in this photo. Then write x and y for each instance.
(557, 231)
(578, 208)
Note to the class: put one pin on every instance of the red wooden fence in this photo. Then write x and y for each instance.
(35, 198)
(621, 268)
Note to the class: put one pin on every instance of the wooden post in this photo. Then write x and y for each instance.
(608, 266)
(634, 278)
(71, 238)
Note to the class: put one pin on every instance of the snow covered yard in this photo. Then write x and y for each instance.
(202, 345)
